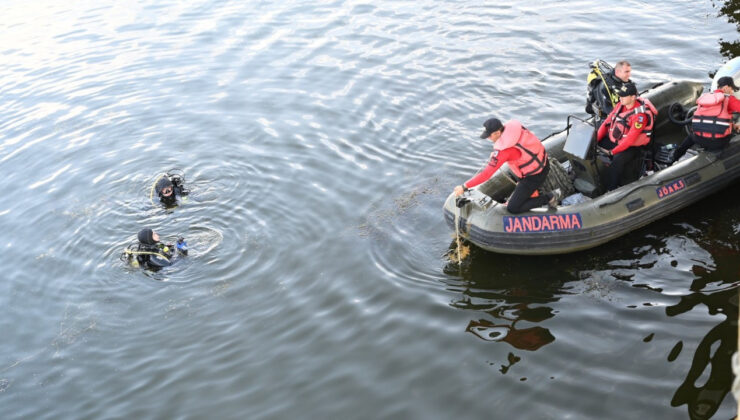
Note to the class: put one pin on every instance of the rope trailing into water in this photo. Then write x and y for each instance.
(457, 232)
(457, 236)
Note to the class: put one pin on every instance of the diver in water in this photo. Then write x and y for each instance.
(153, 254)
(169, 186)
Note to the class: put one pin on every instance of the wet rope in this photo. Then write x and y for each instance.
(457, 236)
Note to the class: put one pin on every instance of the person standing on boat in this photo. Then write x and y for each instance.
(624, 133)
(527, 159)
(712, 120)
(603, 97)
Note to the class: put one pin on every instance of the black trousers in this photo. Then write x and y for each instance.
(521, 199)
(706, 143)
(623, 166)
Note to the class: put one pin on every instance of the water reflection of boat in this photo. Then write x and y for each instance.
(712, 359)
(598, 217)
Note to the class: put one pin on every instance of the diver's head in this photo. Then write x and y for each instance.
(148, 237)
(164, 188)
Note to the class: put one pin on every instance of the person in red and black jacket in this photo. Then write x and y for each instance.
(624, 133)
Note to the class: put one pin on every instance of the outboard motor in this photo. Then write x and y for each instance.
(664, 155)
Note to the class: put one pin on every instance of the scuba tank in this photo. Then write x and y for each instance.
(152, 256)
(177, 177)
(128, 255)
(599, 70)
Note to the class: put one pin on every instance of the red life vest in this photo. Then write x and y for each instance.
(533, 155)
(619, 123)
(712, 118)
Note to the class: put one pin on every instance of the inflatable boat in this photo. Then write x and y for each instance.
(588, 216)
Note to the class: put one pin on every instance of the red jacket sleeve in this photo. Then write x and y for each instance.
(734, 104)
(604, 128)
(497, 159)
(636, 125)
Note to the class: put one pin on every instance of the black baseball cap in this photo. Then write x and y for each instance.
(726, 81)
(627, 89)
(491, 125)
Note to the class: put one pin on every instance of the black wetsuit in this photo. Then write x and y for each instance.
(151, 254)
(153, 257)
(599, 102)
(178, 189)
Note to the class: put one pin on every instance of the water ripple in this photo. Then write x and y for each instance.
(319, 141)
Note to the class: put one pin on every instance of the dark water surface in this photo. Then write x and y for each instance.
(320, 140)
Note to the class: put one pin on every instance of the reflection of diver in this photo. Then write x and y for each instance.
(509, 294)
(152, 254)
(703, 401)
(168, 187)
(508, 297)
(525, 339)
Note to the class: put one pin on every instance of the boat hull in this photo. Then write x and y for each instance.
(486, 223)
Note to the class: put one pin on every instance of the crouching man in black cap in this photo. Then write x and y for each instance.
(527, 159)
(712, 120)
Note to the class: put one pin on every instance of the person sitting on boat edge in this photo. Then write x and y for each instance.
(712, 121)
(153, 254)
(602, 93)
(168, 187)
(629, 128)
(527, 159)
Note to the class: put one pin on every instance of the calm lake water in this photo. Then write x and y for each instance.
(320, 141)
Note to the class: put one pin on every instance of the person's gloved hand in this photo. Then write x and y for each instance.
(182, 246)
